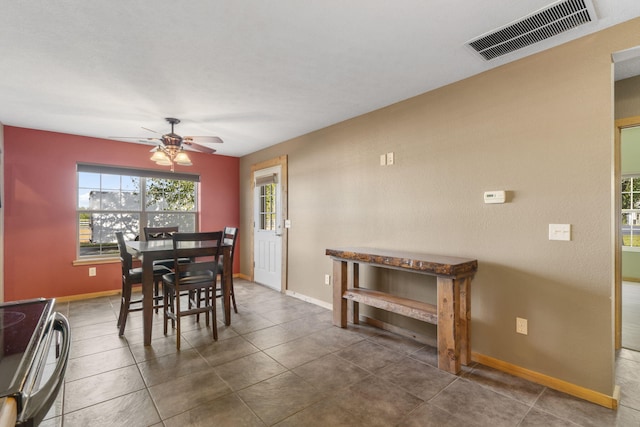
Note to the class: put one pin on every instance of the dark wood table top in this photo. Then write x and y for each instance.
(437, 265)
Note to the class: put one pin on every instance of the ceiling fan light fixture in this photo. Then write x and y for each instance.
(159, 156)
(182, 159)
(170, 150)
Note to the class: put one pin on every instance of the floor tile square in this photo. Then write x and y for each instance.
(166, 368)
(477, 404)
(271, 337)
(177, 395)
(226, 411)
(330, 373)
(249, 370)
(97, 363)
(376, 402)
(297, 352)
(421, 380)
(101, 387)
(220, 352)
(369, 355)
(427, 415)
(279, 397)
(131, 410)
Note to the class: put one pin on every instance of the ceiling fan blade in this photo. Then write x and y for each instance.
(198, 147)
(140, 138)
(150, 130)
(204, 139)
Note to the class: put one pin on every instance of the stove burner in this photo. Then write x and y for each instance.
(10, 318)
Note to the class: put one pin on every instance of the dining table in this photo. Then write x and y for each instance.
(150, 251)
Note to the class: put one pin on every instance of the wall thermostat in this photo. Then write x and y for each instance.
(494, 196)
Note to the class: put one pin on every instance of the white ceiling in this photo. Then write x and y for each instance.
(253, 72)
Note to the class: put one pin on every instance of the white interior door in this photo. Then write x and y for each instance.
(268, 224)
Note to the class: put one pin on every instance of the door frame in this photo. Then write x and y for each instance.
(617, 226)
(284, 197)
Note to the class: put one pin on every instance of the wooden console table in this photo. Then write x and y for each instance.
(452, 313)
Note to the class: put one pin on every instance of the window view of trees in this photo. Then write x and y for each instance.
(268, 207)
(631, 211)
(110, 202)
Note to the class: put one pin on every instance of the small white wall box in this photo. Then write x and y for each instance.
(494, 196)
(560, 232)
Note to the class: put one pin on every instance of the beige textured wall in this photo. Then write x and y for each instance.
(627, 98)
(540, 128)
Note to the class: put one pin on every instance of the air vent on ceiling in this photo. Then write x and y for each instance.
(541, 25)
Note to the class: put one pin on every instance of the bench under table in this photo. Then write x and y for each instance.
(451, 314)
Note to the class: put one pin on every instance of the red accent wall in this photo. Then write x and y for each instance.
(40, 203)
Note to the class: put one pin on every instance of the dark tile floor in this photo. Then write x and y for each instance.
(281, 362)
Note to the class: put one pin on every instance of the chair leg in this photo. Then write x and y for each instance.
(165, 299)
(121, 306)
(195, 297)
(124, 311)
(233, 297)
(156, 293)
(177, 316)
(207, 302)
(213, 314)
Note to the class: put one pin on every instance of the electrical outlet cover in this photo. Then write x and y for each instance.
(521, 326)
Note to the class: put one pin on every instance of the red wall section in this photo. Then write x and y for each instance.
(40, 203)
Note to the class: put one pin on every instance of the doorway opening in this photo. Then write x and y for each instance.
(628, 230)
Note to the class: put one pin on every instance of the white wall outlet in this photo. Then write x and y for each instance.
(383, 159)
(560, 232)
(390, 158)
(92, 271)
(521, 326)
(327, 279)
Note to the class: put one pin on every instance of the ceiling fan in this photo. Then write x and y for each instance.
(170, 149)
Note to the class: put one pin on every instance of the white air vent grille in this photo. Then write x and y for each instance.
(543, 24)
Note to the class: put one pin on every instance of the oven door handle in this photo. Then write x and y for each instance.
(45, 396)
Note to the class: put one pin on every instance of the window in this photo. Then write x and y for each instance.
(268, 207)
(114, 199)
(631, 211)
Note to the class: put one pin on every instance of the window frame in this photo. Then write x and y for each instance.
(267, 211)
(623, 211)
(143, 214)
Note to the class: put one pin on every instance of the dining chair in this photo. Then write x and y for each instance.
(192, 280)
(162, 233)
(229, 237)
(133, 276)
(155, 233)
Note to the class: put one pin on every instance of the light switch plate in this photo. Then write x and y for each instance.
(390, 158)
(560, 232)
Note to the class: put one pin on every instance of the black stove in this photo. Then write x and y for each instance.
(28, 331)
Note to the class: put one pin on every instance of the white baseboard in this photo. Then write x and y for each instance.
(311, 300)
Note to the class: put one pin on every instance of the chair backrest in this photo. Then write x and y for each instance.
(159, 233)
(202, 248)
(230, 236)
(126, 259)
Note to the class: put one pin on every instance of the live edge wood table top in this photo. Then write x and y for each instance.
(452, 313)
